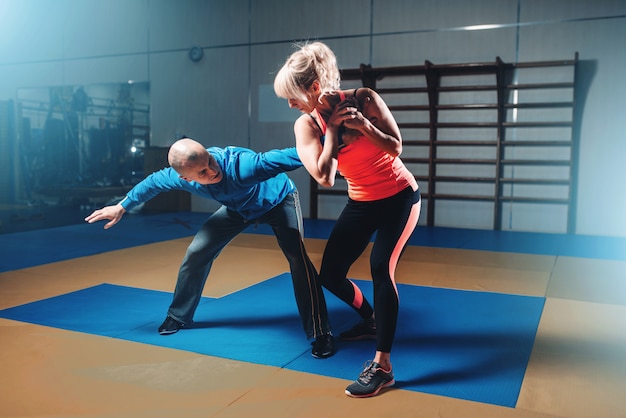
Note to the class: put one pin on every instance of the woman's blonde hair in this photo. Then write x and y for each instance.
(311, 62)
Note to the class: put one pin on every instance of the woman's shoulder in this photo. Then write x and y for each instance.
(304, 118)
(366, 96)
(362, 93)
(306, 121)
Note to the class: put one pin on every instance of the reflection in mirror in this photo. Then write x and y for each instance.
(79, 148)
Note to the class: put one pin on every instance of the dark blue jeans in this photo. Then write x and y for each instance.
(221, 227)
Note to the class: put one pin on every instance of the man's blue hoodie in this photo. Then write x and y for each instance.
(253, 183)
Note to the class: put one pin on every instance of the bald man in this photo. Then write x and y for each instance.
(252, 188)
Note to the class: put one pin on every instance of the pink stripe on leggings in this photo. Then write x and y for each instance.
(411, 223)
(358, 296)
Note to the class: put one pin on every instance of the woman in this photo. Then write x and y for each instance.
(354, 132)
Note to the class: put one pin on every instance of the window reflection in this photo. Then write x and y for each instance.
(75, 148)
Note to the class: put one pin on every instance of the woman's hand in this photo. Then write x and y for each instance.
(369, 115)
(348, 120)
(347, 113)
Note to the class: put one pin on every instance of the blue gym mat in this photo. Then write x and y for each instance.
(32, 248)
(463, 344)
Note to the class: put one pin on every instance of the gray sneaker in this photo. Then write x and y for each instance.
(372, 379)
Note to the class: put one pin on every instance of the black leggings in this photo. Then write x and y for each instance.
(393, 220)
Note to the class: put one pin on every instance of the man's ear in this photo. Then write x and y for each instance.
(184, 178)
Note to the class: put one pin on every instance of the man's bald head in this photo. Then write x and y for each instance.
(193, 162)
(186, 152)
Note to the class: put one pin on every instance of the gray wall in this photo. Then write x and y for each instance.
(226, 99)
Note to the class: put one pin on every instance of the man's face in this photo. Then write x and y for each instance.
(204, 171)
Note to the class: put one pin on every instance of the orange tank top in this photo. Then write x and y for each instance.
(370, 172)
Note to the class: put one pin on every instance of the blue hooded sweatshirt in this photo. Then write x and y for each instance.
(253, 183)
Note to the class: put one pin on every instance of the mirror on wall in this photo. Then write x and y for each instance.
(75, 148)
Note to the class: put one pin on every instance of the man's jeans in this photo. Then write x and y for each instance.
(221, 227)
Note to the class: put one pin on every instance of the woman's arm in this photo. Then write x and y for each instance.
(319, 160)
(373, 119)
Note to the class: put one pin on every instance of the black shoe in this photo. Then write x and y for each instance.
(364, 330)
(372, 379)
(323, 346)
(170, 326)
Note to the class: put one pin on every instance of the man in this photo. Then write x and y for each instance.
(252, 188)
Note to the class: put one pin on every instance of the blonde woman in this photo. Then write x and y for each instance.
(353, 132)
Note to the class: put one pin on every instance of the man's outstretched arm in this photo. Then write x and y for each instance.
(264, 165)
(160, 181)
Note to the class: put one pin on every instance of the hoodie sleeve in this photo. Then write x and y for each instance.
(160, 181)
(265, 165)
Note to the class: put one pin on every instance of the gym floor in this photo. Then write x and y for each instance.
(577, 367)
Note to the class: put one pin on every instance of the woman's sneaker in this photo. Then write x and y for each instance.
(364, 330)
(372, 379)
